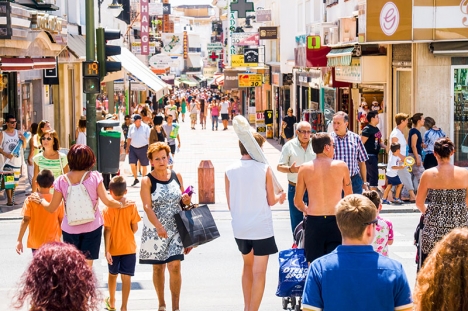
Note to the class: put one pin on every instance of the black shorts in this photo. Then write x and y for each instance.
(322, 236)
(225, 116)
(372, 169)
(262, 247)
(88, 243)
(123, 264)
(136, 154)
(173, 148)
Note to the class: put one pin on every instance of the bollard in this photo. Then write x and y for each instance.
(206, 182)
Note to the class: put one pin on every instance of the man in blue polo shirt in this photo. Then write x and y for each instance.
(354, 276)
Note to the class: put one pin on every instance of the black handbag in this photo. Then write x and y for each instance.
(196, 226)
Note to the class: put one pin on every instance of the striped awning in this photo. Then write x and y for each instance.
(340, 57)
(23, 64)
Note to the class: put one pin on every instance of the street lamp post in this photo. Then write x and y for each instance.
(90, 98)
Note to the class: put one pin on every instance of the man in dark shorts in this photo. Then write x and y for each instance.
(324, 179)
(137, 146)
(372, 139)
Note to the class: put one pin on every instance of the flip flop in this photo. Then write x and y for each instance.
(108, 306)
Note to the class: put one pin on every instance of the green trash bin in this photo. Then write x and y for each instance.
(109, 151)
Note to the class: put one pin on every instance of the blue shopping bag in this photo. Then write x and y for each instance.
(292, 272)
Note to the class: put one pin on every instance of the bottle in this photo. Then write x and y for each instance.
(16, 151)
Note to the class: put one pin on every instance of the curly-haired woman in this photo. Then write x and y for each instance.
(442, 283)
(58, 278)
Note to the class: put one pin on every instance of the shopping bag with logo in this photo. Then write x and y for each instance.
(196, 226)
(175, 130)
(292, 272)
(78, 205)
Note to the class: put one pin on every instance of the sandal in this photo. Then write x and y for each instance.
(162, 309)
(108, 306)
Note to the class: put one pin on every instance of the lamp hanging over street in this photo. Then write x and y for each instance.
(115, 8)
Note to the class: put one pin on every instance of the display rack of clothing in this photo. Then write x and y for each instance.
(315, 118)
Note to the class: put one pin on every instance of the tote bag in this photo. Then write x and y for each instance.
(196, 226)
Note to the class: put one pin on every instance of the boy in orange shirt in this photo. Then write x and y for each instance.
(43, 226)
(120, 226)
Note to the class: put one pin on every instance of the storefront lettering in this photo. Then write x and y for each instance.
(389, 18)
(349, 73)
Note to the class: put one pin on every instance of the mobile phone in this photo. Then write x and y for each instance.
(189, 190)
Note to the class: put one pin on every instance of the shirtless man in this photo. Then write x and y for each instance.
(324, 179)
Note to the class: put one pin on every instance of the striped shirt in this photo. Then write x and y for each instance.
(54, 165)
(351, 150)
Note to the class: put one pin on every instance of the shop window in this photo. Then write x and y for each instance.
(7, 106)
(460, 110)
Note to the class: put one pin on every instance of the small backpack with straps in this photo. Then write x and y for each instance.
(78, 205)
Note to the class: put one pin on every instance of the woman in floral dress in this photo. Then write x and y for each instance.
(161, 245)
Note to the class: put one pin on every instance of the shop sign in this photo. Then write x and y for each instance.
(250, 56)
(351, 74)
(250, 80)
(185, 45)
(313, 42)
(155, 9)
(263, 15)
(260, 123)
(160, 61)
(166, 8)
(231, 79)
(245, 38)
(389, 20)
(214, 47)
(232, 25)
(238, 61)
(136, 47)
(268, 33)
(173, 42)
(144, 28)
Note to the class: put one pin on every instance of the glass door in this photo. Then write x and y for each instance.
(460, 114)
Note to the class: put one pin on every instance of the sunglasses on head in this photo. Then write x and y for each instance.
(373, 222)
(46, 138)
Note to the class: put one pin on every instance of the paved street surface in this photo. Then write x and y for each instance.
(211, 273)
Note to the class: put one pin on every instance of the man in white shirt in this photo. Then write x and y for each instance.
(171, 109)
(397, 136)
(137, 146)
(225, 107)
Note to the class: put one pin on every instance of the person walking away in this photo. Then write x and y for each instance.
(351, 150)
(430, 136)
(354, 276)
(441, 284)
(372, 139)
(224, 110)
(125, 126)
(288, 124)
(397, 136)
(80, 132)
(203, 110)
(383, 235)
(393, 180)
(30, 151)
(194, 108)
(445, 187)
(161, 246)
(137, 146)
(183, 107)
(416, 145)
(50, 159)
(321, 232)
(214, 114)
(120, 225)
(294, 153)
(168, 128)
(43, 226)
(9, 139)
(252, 221)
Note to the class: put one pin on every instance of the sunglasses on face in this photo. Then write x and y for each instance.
(304, 132)
(46, 138)
(12, 122)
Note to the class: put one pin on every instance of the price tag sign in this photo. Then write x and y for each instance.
(250, 80)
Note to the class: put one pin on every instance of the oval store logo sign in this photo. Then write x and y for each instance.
(389, 18)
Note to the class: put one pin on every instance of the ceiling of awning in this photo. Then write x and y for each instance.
(340, 57)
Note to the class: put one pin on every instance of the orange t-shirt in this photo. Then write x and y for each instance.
(120, 220)
(43, 226)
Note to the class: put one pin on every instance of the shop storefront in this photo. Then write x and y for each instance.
(460, 114)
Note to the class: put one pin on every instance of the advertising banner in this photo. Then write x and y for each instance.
(145, 23)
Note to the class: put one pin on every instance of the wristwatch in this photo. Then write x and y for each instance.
(366, 184)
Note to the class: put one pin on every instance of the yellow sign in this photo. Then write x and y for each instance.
(250, 80)
(238, 61)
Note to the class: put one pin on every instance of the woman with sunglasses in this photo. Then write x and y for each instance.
(50, 159)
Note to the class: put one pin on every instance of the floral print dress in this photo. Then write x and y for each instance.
(165, 196)
(383, 234)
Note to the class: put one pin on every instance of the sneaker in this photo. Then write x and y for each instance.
(136, 181)
(385, 201)
(398, 201)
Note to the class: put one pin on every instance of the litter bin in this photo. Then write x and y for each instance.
(108, 147)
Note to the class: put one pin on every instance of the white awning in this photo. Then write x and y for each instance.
(340, 57)
(141, 72)
(194, 60)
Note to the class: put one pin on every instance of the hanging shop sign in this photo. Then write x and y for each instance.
(166, 8)
(238, 61)
(268, 33)
(155, 9)
(251, 56)
(263, 15)
(250, 80)
(216, 47)
(390, 21)
(185, 45)
(231, 79)
(242, 7)
(245, 38)
(351, 73)
(136, 47)
(144, 28)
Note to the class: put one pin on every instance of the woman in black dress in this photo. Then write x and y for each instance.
(288, 124)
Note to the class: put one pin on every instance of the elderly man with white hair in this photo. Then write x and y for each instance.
(294, 153)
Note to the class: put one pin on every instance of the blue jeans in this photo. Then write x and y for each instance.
(356, 182)
(214, 119)
(295, 215)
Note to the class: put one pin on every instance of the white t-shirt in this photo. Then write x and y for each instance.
(172, 110)
(393, 161)
(250, 212)
(224, 107)
(401, 140)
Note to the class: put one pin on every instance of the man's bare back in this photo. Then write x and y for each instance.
(324, 179)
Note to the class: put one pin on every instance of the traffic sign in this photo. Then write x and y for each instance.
(250, 80)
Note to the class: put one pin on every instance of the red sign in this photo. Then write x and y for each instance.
(144, 11)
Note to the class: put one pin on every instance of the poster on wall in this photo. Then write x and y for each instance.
(173, 42)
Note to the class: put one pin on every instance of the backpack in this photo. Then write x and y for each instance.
(78, 205)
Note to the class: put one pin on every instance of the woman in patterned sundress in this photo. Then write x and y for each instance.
(445, 187)
(161, 245)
